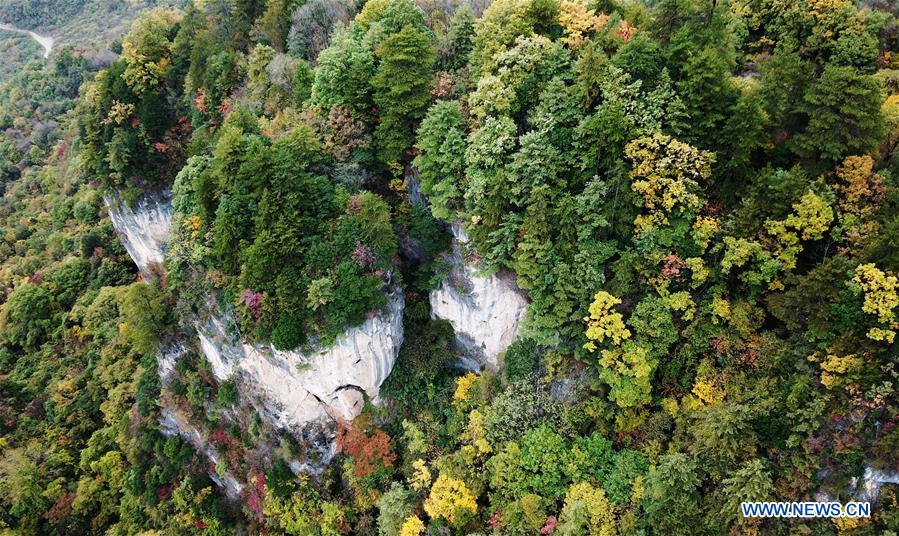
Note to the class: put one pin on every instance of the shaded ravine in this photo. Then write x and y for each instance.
(44, 41)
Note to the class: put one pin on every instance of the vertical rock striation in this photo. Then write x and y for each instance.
(485, 312)
(294, 388)
(143, 229)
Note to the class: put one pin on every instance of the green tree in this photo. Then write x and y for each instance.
(147, 49)
(26, 315)
(672, 496)
(441, 159)
(394, 507)
(459, 43)
(343, 74)
(147, 316)
(844, 118)
(750, 483)
(402, 87)
(303, 78)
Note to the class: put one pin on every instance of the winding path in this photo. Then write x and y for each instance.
(46, 42)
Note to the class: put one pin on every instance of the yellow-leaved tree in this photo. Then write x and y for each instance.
(881, 299)
(586, 511)
(451, 500)
(412, 526)
(147, 49)
(667, 175)
(604, 322)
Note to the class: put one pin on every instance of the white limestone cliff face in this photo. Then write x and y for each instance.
(144, 229)
(295, 388)
(485, 312)
(866, 488)
(871, 482)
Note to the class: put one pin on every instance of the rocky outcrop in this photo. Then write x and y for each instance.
(865, 488)
(485, 311)
(868, 489)
(294, 388)
(143, 228)
(304, 393)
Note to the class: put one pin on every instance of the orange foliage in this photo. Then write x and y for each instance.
(625, 31)
(370, 452)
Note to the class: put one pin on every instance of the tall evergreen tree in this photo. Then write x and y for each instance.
(402, 87)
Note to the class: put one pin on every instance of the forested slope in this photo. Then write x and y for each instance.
(698, 198)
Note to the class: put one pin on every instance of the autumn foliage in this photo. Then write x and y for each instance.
(371, 452)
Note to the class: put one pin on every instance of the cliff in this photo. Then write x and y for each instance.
(144, 228)
(303, 393)
(485, 311)
(296, 388)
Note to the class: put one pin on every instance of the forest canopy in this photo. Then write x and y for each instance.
(698, 199)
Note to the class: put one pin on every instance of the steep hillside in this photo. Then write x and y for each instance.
(408, 268)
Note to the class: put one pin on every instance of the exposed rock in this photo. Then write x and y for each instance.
(167, 358)
(866, 488)
(295, 388)
(871, 482)
(143, 229)
(413, 187)
(302, 393)
(485, 311)
(173, 423)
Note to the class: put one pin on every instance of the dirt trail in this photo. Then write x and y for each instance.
(44, 41)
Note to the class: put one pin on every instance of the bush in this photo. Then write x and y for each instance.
(521, 360)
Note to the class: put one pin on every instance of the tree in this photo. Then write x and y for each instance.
(672, 496)
(441, 159)
(302, 83)
(666, 174)
(413, 526)
(844, 117)
(402, 88)
(458, 38)
(275, 21)
(146, 314)
(502, 23)
(708, 94)
(750, 483)
(147, 49)
(605, 322)
(536, 464)
(642, 58)
(258, 82)
(394, 509)
(880, 299)
(785, 80)
(586, 511)
(21, 483)
(628, 371)
(371, 214)
(344, 72)
(320, 293)
(312, 23)
(451, 500)
(371, 452)
(25, 317)
(722, 437)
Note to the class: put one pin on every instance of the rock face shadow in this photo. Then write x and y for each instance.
(485, 311)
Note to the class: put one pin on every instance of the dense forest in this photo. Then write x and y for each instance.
(698, 198)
